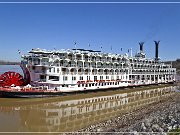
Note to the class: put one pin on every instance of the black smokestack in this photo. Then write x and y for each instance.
(156, 49)
(141, 46)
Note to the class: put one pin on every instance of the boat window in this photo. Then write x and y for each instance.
(54, 78)
(65, 78)
(57, 70)
(42, 77)
(36, 61)
(73, 78)
(33, 67)
(81, 78)
(95, 78)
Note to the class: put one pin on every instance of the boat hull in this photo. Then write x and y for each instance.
(44, 93)
(19, 94)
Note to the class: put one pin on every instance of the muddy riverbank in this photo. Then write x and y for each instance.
(161, 116)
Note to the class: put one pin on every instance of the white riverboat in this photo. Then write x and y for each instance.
(53, 73)
(82, 70)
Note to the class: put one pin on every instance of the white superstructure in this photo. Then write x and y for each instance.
(80, 69)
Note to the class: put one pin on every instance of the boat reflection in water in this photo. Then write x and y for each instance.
(71, 115)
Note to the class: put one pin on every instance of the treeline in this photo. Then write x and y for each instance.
(175, 64)
(8, 63)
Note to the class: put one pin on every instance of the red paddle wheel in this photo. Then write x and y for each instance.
(9, 78)
(1, 80)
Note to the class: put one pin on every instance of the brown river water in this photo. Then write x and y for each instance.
(73, 112)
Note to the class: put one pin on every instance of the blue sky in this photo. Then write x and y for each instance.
(48, 26)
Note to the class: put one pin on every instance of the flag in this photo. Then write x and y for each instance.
(121, 49)
(89, 45)
(128, 50)
(111, 47)
(19, 51)
(75, 44)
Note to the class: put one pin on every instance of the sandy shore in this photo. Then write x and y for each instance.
(162, 116)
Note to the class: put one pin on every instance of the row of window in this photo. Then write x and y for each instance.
(54, 70)
(65, 78)
(100, 84)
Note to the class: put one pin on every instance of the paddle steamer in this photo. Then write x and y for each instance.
(63, 71)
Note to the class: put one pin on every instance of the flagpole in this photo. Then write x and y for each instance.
(131, 51)
(75, 45)
(75, 53)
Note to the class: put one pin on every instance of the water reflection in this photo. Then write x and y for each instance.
(71, 115)
(6, 68)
